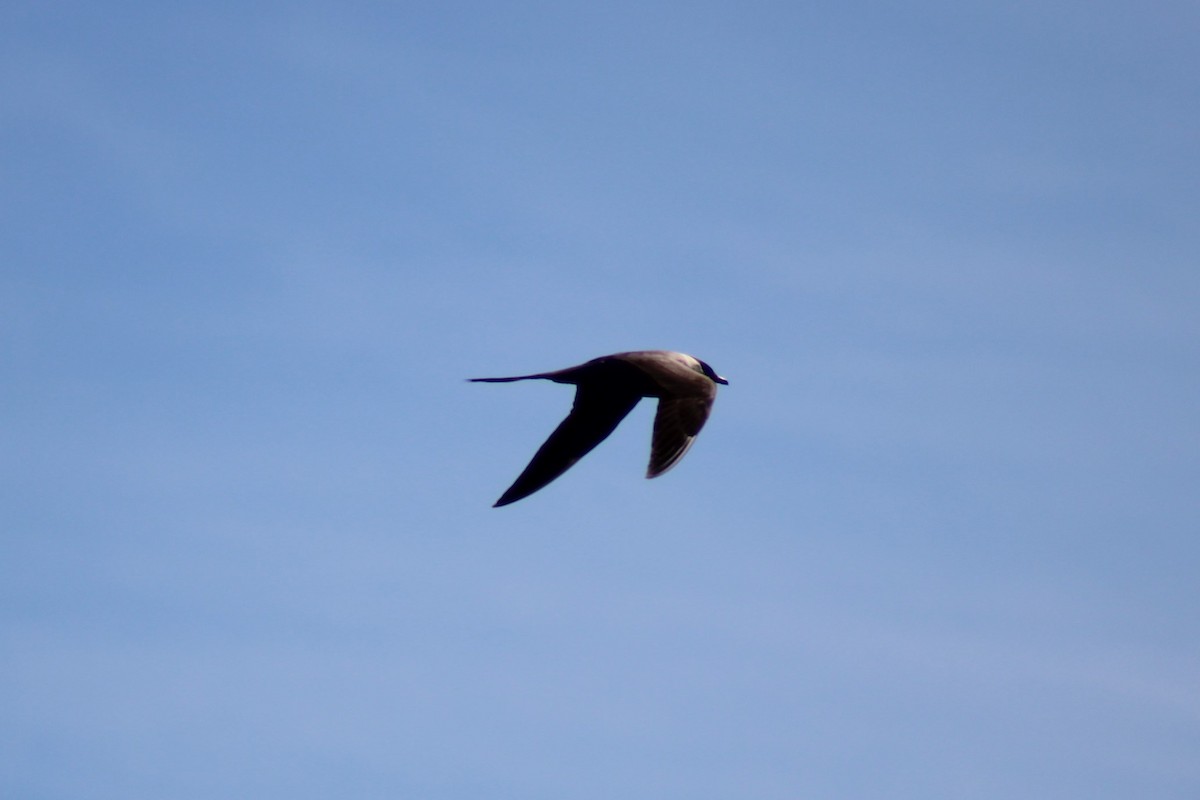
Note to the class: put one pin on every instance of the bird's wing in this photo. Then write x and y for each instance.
(676, 424)
(597, 411)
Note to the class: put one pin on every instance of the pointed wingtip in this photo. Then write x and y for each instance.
(509, 497)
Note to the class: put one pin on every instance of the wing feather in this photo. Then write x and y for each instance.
(678, 421)
(597, 411)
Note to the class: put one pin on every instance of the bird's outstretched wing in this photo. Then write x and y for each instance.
(676, 424)
(597, 411)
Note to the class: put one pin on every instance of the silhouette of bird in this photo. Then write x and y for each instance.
(606, 390)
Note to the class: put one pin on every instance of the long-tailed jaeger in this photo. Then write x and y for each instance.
(607, 389)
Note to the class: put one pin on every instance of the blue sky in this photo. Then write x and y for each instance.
(939, 538)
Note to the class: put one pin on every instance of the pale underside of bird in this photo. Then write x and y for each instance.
(606, 390)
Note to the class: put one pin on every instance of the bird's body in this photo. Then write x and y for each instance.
(607, 389)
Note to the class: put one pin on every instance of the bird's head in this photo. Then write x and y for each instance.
(707, 370)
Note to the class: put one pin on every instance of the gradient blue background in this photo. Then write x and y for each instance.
(939, 539)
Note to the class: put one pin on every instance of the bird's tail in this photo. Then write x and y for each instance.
(508, 380)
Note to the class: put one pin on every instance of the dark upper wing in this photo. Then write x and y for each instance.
(596, 413)
(676, 424)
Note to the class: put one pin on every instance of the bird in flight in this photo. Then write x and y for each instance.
(606, 390)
